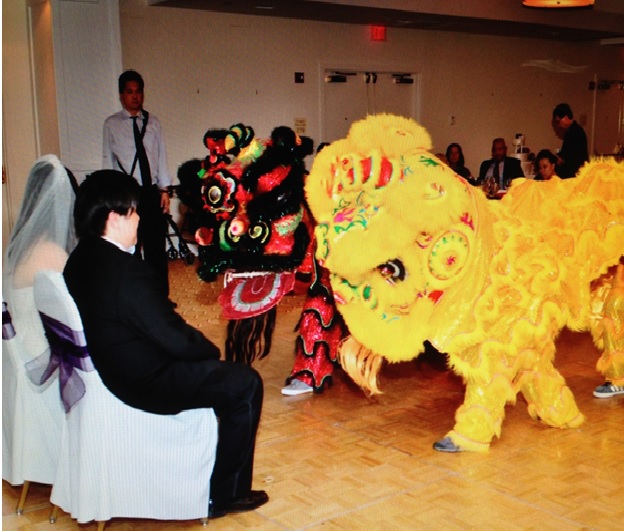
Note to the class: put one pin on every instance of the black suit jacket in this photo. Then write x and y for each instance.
(145, 353)
(573, 151)
(512, 169)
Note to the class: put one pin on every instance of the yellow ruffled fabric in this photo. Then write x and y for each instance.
(415, 253)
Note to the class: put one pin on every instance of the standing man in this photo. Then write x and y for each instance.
(134, 145)
(573, 153)
(145, 353)
(500, 169)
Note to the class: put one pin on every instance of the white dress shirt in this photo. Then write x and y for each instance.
(119, 149)
(501, 169)
(490, 172)
(129, 250)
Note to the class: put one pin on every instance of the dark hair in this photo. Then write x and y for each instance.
(499, 140)
(101, 193)
(561, 110)
(461, 162)
(130, 75)
(544, 154)
(215, 134)
(72, 179)
(321, 146)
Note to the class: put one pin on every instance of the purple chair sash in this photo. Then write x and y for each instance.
(68, 351)
(8, 331)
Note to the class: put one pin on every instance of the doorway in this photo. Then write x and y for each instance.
(351, 95)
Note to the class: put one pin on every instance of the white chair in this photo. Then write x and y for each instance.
(118, 461)
(32, 416)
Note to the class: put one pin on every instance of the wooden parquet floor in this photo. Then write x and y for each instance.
(340, 460)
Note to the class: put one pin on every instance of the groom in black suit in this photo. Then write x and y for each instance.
(500, 167)
(145, 353)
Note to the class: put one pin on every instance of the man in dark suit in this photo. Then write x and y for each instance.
(145, 353)
(573, 153)
(500, 168)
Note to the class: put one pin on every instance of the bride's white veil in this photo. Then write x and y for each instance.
(45, 216)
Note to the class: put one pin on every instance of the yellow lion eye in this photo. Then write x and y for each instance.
(385, 270)
(392, 271)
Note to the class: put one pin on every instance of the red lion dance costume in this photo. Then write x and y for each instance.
(253, 226)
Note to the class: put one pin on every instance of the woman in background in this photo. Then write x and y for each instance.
(455, 160)
(545, 163)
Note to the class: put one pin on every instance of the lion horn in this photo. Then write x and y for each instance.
(360, 363)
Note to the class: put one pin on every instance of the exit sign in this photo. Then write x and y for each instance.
(378, 33)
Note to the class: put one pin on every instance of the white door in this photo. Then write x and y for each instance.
(353, 95)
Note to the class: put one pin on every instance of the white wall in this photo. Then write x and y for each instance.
(19, 144)
(205, 70)
(87, 57)
(59, 57)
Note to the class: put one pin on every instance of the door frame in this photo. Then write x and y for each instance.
(363, 68)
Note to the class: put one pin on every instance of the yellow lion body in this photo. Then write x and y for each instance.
(416, 253)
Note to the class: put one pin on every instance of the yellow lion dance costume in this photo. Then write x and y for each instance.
(415, 253)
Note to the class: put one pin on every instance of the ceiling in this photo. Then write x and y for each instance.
(604, 22)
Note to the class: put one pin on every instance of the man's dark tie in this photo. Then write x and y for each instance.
(146, 174)
(497, 178)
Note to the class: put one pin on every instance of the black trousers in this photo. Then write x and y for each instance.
(235, 392)
(236, 395)
(151, 235)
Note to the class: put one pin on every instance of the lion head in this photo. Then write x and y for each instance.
(397, 229)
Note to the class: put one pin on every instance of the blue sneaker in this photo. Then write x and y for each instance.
(608, 390)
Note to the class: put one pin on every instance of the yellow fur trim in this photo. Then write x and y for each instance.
(415, 253)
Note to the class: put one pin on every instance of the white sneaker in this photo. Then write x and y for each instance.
(297, 387)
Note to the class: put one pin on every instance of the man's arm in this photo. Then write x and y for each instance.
(483, 170)
(164, 201)
(517, 168)
(573, 152)
(107, 152)
(162, 171)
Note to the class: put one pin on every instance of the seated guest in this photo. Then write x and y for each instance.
(455, 161)
(145, 353)
(545, 165)
(498, 172)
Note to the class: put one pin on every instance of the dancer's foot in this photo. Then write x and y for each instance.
(297, 387)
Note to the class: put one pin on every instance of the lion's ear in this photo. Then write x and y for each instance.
(320, 182)
(393, 136)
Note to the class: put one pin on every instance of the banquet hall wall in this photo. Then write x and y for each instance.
(204, 69)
